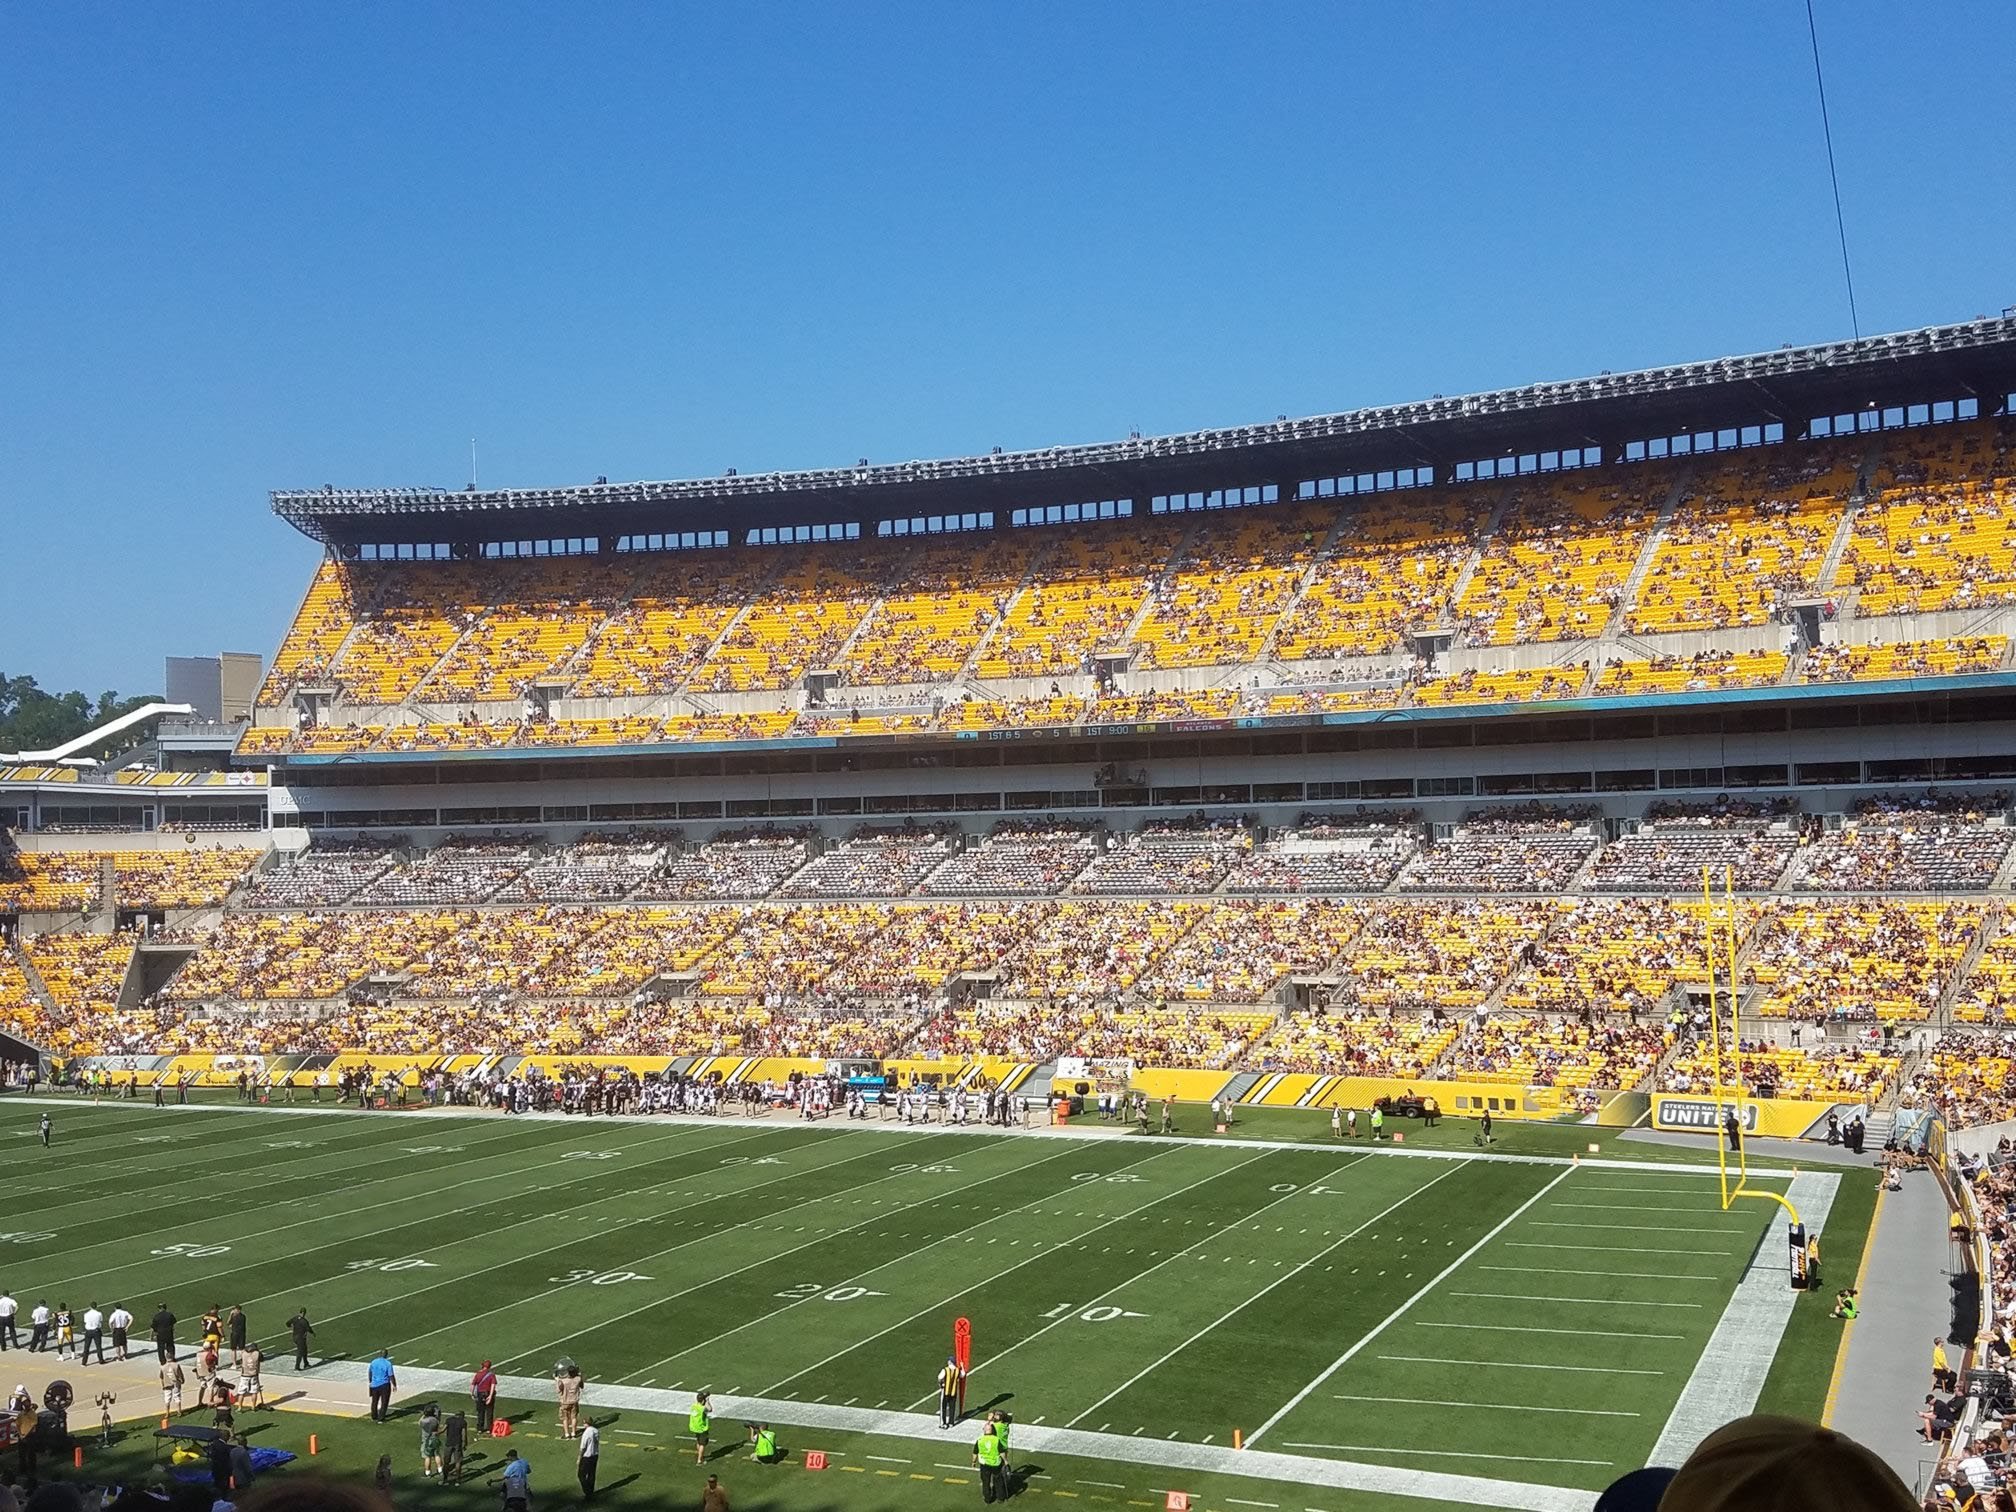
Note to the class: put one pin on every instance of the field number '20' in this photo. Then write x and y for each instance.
(806, 1291)
(1090, 1314)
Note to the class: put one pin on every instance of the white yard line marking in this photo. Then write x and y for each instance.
(984, 1281)
(1670, 1208)
(1570, 1333)
(323, 1216)
(1521, 1365)
(1490, 1406)
(1235, 1311)
(1510, 1459)
(1629, 1228)
(1555, 1270)
(877, 1217)
(1121, 1286)
(1609, 1249)
(1401, 1311)
(1580, 1301)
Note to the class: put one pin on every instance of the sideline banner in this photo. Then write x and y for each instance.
(1767, 1117)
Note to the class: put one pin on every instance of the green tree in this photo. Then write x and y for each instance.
(32, 719)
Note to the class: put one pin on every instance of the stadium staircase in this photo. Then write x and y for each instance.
(1858, 495)
(2005, 875)
(1170, 564)
(1316, 560)
(433, 708)
(846, 647)
(36, 985)
(1991, 926)
(1620, 616)
(1477, 549)
(1038, 560)
(663, 705)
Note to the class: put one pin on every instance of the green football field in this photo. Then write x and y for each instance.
(1518, 1319)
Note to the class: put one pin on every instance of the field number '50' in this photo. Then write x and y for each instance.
(1090, 1314)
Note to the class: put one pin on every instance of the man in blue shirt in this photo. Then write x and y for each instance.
(382, 1383)
(517, 1478)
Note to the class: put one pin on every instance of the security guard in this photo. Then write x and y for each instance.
(948, 1393)
(988, 1459)
(1000, 1425)
(698, 1421)
(1378, 1122)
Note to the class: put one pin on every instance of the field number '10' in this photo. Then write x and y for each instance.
(1090, 1314)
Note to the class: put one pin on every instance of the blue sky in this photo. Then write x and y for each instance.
(257, 246)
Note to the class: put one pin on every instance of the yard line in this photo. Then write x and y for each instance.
(1520, 1365)
(1649, 1207)
(1179, 1254)
(629, 1194)
(1077, 1237)
(632, 1222)
(1399, 1312)
(1489, 1406)
(321, 1215)
(1224, 1317)
(1583, 1301)
(1238, 1501)
(1510, 1459)
(886, 1459)
(239, 1173)
(1572, 1333)
(1607, 1249)
(873, 1217)
(1631, 1228)
(1555, 1270)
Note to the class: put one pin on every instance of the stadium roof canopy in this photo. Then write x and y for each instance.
(1791, 387)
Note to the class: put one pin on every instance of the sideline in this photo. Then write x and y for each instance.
(885, 1127)
(1848, 1325)
(1168, 1454)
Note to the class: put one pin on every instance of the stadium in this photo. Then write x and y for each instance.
(1266, 929)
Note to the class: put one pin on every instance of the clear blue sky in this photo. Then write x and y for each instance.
(256, 246)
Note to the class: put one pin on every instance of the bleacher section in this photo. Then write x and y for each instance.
(1529, 848)
(1905, 843)
(997, 629)
(1745, 846)
(1020, 858)
(1321, 854)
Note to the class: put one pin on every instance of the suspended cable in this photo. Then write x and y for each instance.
(1827, 130)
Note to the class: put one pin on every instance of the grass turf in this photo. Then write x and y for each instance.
(647, 1462)
(1485, 1312)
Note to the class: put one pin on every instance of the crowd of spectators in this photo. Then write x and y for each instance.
(743, 863)
(1532, 1050)
(1843, 662)
(876, 861)
(1859, 960)
(1925, 842)
(1334, 1041)
(1744, 843)
(461, 869)
(600, 867)
(1168, 856)
(1019, 858)
(1528, 847)
(1320, 854)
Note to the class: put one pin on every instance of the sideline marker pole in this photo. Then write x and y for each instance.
(314, 1444)
(1238, 1438)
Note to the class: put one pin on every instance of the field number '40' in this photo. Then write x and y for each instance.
(193, 1251)
(1090, 1314)
(808, 1290)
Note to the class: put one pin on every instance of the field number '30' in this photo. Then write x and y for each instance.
(193, 1251)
